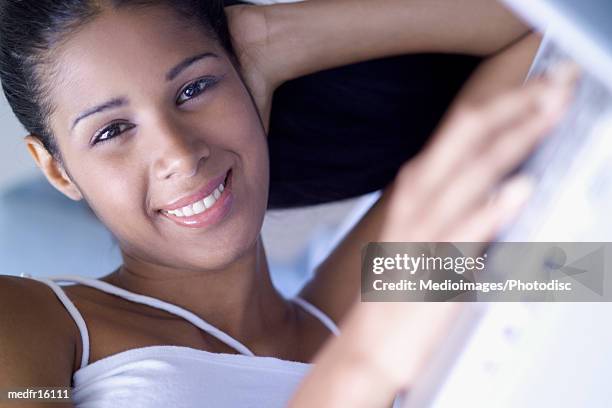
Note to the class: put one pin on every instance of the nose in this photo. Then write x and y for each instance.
(178, 153)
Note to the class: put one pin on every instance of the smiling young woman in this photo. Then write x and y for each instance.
(143, 109)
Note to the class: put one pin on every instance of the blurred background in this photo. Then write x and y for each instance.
(15, 163)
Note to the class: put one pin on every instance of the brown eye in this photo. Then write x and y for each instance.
(194, 89)
(111, 131)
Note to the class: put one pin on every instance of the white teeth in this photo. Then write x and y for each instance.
(187, 211)
(199, 206)
(176, 213)
(209, 201)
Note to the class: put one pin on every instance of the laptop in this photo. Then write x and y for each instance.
(546, 354)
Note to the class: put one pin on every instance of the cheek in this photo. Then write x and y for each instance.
(115, 196)
(117, 185)
(245, 137)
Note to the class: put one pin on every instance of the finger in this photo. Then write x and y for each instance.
(493, 215)
(472, 184)
(469, 132)
(539, 94)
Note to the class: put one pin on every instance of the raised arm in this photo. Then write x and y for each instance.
(443, 185)
(319, 34)
(280, 42)
(446, 194)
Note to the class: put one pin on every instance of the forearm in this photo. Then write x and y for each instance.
(383, 348)
(344, 373)
(319, 34)
(495, 76)
(341, 383)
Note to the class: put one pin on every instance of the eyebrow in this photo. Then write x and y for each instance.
(118, 102)
(113, 103)
(183, 65)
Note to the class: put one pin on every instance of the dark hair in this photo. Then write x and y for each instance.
(30, 29)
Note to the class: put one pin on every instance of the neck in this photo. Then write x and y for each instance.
(239, 299)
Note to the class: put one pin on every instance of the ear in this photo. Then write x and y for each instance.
(52, 168)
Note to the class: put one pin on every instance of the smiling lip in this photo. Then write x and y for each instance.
(211, 216)
(204, 192)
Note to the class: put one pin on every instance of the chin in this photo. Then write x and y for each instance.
(222, 253)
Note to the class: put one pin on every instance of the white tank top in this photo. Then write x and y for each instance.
(177, 376)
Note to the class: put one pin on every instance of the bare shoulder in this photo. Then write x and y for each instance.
(37, 336)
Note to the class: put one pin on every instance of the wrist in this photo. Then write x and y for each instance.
(344, 378)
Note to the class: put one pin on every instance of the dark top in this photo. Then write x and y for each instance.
(345, 132)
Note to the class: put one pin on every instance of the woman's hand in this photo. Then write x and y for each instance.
(448, 193)
(455, 190)
(249, 30)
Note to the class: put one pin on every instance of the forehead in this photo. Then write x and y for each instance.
(131, 47)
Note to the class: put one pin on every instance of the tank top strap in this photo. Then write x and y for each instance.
(159, 304)
(317, 313)
(72, 310)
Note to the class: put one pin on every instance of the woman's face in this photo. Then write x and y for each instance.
(151, 117)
